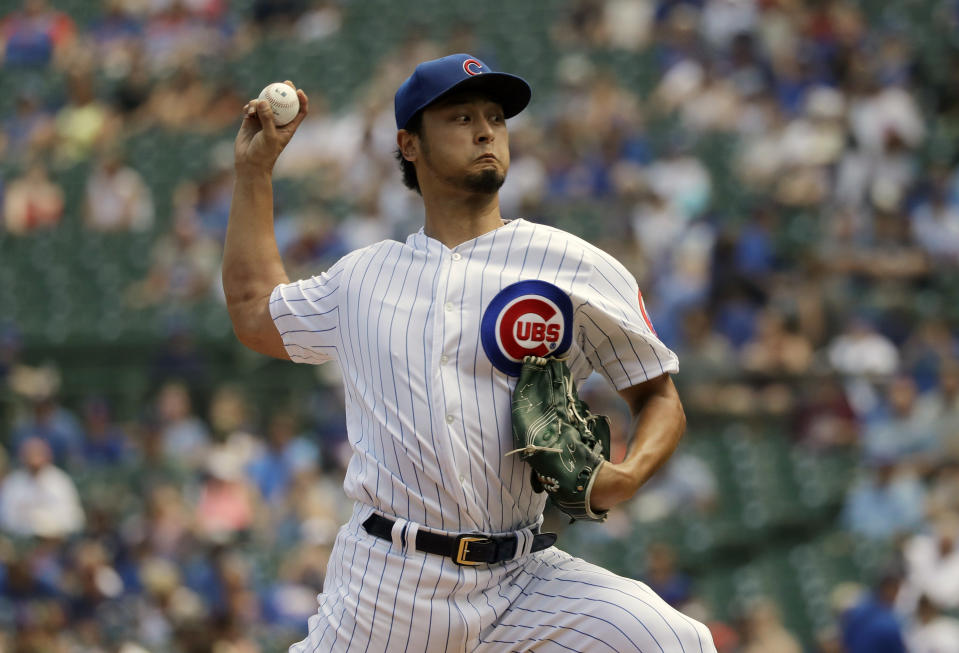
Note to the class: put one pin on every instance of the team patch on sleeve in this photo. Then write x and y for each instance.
(527, 318)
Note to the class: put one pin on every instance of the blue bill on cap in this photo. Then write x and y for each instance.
(433, 79)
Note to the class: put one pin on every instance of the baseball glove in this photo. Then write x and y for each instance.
(556, 434)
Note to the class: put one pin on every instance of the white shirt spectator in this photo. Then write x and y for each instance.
(722, 20)
(890, 111)
(935, 226)
(40, 499)
(862, 351)
(932, 562)
(932, 632)
(118, 199)
(684, 180)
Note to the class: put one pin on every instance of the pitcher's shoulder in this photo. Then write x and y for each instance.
(573, 247)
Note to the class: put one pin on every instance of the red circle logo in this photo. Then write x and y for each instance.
(470, 64)
(526, 318)
(529, 326)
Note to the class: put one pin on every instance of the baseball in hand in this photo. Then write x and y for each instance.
(283, 100)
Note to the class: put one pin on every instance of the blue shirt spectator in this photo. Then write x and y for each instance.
(884, 503)
(104, 443)
(902, 429)
(32, 34)
(55, 425)
(273, 471)
(871, 626)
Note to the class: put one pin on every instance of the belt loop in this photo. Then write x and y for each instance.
(409, 537)
(397, 533)
(525, 538)
(524, 543)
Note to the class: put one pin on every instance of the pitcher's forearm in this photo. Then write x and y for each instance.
(252, 266)
(656, 432)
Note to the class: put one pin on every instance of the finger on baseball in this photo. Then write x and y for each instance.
(301, 114)
(304, 109)
(265, 114)
(290, 84)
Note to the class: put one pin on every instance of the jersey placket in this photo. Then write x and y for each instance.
(455, 422)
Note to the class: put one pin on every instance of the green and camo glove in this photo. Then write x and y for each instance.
(556, 434)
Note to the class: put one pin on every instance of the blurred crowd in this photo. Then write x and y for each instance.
(780, 175)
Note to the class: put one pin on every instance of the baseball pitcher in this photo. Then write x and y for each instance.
(460, 350)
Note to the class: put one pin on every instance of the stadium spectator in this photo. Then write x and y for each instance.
(933, 632)
(45, 417)
(39, 499)
(179, 100)
(183, 265)
(36, 35)
(286, 454)
(935, 225)
(29, 131)
(943, 493)
(184, 438)
(927, 352)
(179, 357)
(85, 122)
(885, 502)
(133, 89)
(872, 624)
(902, 428)
(708, 359)
(32, 201)
(209, 199)
(685, 482)
(932, 565)
(227, 504)
(656, 224)
(321, 20)
(104, 443)
(167, 529)
(117, 198)
(179, 32)
(765, 631)
(663, 576)
(776, 351)
(860, 350)
(94, 589)
(116, 33)
(823, 416)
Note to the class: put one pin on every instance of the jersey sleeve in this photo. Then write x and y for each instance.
(306, 315)
(614, 329)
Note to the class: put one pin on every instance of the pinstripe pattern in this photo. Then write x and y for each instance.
(428, 421)
(545, 601)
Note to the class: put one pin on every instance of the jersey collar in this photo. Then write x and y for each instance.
(421, 242)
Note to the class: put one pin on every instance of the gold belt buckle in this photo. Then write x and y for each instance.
(464, 545)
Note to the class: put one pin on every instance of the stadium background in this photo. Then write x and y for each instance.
(780, 176)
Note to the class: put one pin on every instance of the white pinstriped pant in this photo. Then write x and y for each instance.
(376, 599)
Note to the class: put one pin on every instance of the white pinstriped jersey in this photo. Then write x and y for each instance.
(427, 339)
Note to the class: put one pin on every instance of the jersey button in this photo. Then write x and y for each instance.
(456, 256)
(450, 419)
(463, 478)
(448, 306)
(444, 359)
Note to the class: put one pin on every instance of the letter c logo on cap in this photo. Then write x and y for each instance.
(472, 67)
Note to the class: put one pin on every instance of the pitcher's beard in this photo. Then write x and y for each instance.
(486, 181)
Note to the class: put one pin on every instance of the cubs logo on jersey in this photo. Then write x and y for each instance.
(527, 318)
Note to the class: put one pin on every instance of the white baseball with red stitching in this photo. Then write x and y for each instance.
(283, 100)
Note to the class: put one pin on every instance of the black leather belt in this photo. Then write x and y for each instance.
(464, 549)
